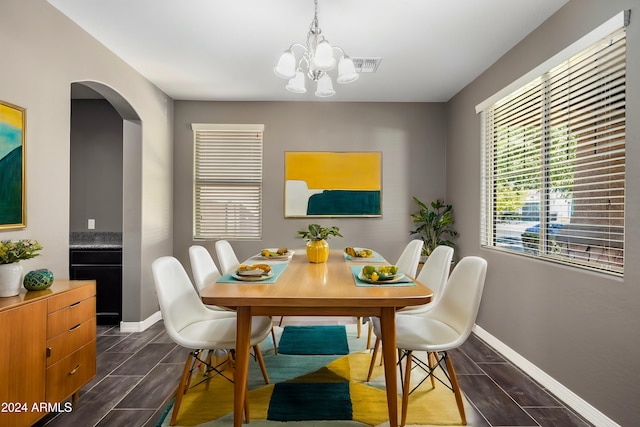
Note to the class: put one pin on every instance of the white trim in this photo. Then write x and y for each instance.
(618, 21)
(567, 396)
(242, 127)
(140, 326)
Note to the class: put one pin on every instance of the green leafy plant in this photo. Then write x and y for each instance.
(434, 225)
(17, 250)
(317, 232)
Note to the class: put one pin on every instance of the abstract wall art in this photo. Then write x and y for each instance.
(12, 168)
(333, 184)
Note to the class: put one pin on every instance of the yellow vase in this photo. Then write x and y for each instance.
(317, 251)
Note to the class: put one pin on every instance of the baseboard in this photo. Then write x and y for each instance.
(140, 326)
(567, 396)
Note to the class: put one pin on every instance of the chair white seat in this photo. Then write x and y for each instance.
(226, 257)
(423, 334)
(410, 258)
(444, 327)
(434, 275)
(190, 324)
(205, 271)
(194, 335)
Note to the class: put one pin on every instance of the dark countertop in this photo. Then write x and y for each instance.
(95, 240)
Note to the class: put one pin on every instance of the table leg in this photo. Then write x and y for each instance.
(243, 336)
(388, 329)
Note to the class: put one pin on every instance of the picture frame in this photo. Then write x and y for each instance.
(12, 166)
(333, 184)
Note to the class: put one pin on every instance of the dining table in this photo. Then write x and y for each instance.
(302, 288)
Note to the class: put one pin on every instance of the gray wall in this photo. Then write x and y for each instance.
(96, 166)
(48, 53)
(581, 328)
(410, 136)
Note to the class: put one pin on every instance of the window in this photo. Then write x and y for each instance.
(227, 184)
(553, 178)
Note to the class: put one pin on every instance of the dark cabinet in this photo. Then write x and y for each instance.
(105, 267)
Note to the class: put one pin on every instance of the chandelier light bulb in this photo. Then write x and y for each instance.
(286, 68)
(325, 87)
(346, 71)
(296, 84)
(323, 58)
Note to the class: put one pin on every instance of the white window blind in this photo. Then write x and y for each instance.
(554, 162)
(227, 181)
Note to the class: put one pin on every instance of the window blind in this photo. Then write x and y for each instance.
(227, 181)
(553, 167)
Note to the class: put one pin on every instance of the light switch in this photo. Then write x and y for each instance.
(91, 225)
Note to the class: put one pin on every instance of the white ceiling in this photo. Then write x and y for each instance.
(226, 49)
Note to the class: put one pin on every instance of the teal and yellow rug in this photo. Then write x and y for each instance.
(322, 387)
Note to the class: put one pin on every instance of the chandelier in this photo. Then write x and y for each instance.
(318, 58)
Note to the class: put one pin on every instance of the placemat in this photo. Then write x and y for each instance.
(376, 258)
(276, 268)
(356, 269)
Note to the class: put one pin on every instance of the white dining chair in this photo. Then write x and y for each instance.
(410, 258)
(441, 329)
(434, 274)
(190, 324)
(408, 264)
(204, 271)
(226, 257)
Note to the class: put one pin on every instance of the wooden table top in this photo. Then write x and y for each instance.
(324, 285)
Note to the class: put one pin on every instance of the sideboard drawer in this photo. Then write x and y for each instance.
(69, 317)
(66, 343)
(70, 298)
(71, 373)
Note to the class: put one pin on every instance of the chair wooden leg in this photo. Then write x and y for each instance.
(369, 334)
(406, 386)
(180, 390)
(432, 359)
(456, 388)
(275, 345)
(260, 360)
(376, 346)
(207, 371)
(359, 323)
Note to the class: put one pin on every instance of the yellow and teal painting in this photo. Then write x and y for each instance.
(327, 183)
(12, 128)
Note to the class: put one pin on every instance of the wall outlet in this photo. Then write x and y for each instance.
(91, 224)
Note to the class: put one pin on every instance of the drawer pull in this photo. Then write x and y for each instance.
(75, 327)
(74, 370)
(75, 303)
(48, 351)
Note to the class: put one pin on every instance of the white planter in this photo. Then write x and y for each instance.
(10, 279)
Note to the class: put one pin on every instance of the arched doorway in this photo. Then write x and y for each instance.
(119, 185)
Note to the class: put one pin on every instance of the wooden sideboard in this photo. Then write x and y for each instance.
(48, 342)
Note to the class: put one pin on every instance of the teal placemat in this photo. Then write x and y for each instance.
(276, 268)
(356, 269)
(376, 258)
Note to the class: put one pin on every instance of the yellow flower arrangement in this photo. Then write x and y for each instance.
(17, 250)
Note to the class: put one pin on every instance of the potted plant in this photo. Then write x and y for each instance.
(434, 225)
(11, 253)
(317, 246)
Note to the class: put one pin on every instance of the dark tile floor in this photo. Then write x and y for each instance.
(131, 387)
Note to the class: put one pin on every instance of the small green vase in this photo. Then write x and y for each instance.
(38, 280)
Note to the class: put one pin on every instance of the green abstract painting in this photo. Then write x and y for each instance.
(12, 170)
